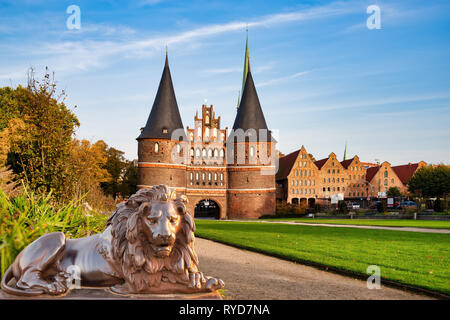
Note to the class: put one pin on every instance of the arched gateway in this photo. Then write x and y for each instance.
(207, 208)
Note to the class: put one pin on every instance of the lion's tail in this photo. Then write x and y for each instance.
(18, 292)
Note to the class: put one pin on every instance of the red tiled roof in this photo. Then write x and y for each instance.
(371, 172)
(405, 172)
(285, 165)
(320, 163)
(347, 162)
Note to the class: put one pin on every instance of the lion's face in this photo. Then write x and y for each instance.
(160, 225)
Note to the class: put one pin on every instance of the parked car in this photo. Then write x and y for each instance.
(407, 204)
(310, 215)
(353, 205)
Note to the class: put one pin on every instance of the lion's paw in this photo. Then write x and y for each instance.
(214, 284)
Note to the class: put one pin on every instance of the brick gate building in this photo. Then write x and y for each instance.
(209, 165)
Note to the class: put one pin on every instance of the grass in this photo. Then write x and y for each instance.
(28, 216)
(434, 224)
(412, 258)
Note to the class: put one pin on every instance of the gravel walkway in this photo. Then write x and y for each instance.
(250, 275)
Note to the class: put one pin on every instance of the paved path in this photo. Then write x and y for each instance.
(411, 229)
(250, 275)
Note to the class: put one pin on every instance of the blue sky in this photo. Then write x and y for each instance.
(322, 76)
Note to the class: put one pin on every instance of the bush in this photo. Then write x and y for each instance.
(28, 216)
(381, 207)
(342, 207)
(437, 206)
(284, 208)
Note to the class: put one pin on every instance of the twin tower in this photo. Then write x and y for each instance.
(230, 175)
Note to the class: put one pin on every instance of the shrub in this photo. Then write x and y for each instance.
(28, 216)
(381, 207)
(437, 206)
(342, 207)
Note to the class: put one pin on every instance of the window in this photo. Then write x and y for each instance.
(222, 153)
(204, 153)
(385, 182)
(206, 119)
(210, 153)
(156, 147)
(221, 176)
(333, 171)
(385, 174)
(197, 153)
(207, 133)
(337, 170)
(328, 170)
(196, 176)
(199, 131)
(209, 176)
(191, 176)
(191, 153)
(299, 163)
(337, 188)
(216, 153)
(392, 180)
(203, 176)
(252, 151)
(215, 176)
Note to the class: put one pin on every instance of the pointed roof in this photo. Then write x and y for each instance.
(345, 152)
(319, 163)
(405, 172)
(250, 114)
(246, 68)
(285, 165)
(347, 162)
(371, 172)
(165, 116)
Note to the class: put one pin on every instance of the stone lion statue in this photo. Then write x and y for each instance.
(147, 247)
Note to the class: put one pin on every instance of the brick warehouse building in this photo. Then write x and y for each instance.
(301, 180)
(222, 175)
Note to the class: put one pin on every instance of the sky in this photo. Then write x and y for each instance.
(323, 77)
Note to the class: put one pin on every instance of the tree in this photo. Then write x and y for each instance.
(115, 165)
(40, 149)
(393, 192)
(430, 181)
(87, 163)
(128, 185)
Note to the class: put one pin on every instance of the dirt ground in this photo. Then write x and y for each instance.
(250, 275)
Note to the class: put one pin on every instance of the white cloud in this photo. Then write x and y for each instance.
(85, 54)
(277, 80)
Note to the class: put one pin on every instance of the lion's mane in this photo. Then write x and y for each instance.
(130, 247)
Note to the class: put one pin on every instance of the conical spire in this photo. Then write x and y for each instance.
(246, 65)
(165, 116)
(345, 152)
(250, 114)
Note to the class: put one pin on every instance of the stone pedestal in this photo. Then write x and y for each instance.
(106, 294)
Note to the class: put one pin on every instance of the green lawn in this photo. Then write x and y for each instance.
(373, 222)
(413, 258)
